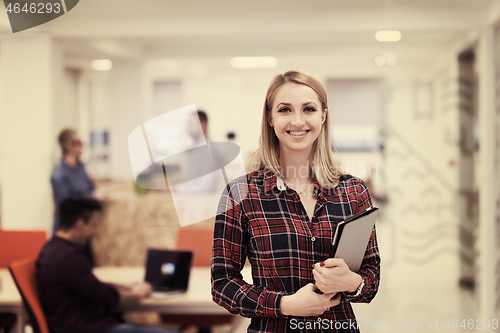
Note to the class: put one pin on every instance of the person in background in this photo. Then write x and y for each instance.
(72, 297)
(231, 136)
(199, 137)
(69, 178)
(199, 164)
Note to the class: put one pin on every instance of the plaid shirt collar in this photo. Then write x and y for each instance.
(273, 182)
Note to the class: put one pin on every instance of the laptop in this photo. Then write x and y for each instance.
(168, 271)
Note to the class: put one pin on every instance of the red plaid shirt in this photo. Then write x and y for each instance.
(261, 218)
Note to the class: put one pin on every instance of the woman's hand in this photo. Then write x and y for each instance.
(334, 276)
(307, 302)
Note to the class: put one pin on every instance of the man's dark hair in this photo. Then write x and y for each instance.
(203, 116)
(71, 210)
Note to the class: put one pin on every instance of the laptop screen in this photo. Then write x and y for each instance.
(168, 270)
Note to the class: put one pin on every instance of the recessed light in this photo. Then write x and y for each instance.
(101, 64)
(254, 62)
(388, 36)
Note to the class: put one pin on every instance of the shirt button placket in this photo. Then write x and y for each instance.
(313, 247)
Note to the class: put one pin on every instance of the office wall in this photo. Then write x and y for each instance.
(422, 178)
(126, 100)
(494, 238)
(489, 168)
(30, 94)
(66, 111)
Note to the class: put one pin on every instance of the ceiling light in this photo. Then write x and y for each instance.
(254, 62)
(388, 36)
(101, 64)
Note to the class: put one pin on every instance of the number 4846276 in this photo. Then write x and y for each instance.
(472, 324)
(34, 8)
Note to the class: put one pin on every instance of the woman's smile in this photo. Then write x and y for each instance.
(298, 134)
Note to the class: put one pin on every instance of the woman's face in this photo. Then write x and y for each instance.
(74, 146)
(297, 117)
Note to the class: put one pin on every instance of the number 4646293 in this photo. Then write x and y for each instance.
(472, 324)
(34, 8)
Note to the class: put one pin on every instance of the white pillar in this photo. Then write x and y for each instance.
(127, 106)
(98, 121)
(488, 184)
(27, 88)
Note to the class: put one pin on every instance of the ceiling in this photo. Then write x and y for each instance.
(158, 29)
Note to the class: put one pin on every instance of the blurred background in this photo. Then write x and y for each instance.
(413, 93)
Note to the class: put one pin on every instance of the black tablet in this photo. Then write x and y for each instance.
(352, 236)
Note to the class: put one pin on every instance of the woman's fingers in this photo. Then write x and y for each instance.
(306, 302)
(319, 281)
(333, 279)
(335, 300)
(329, 263)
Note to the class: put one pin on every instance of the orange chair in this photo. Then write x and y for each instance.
(199, 241)
(24, 274)
(15, 245)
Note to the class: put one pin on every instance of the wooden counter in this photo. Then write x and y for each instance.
(133, 222)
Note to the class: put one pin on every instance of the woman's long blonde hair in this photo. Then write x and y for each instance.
(323, 165)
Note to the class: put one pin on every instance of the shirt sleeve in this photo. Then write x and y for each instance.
(61, 188)
(79, 277)
(370, 266)
(89, 193)
(229, 252)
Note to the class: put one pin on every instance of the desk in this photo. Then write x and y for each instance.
(10, 299)
(197, 300)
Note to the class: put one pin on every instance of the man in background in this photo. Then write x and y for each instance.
(201, 160)
(72, 297)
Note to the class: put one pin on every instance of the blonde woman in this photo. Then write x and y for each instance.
(283, 216)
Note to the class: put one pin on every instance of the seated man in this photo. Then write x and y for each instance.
(72, 297)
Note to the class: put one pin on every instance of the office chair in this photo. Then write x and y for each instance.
(24, 274)
(15, 245)
(199, 241)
